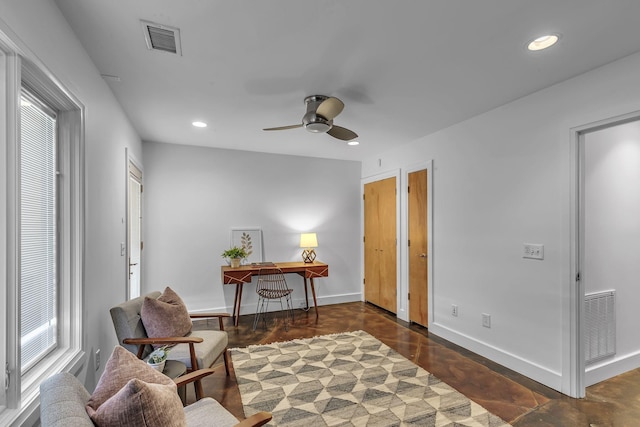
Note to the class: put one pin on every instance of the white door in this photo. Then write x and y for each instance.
(134, 230)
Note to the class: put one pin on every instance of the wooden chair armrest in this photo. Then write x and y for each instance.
(219, 316)
(163, 340)
(205, 315)
(193, 376)
(255, 420)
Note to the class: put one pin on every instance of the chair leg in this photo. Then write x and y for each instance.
(199, 390)
(285, 316)
(258, 311)
(265, 313)
(290, 308)
(226, 361)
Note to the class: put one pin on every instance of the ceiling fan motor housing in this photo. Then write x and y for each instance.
(312, 121)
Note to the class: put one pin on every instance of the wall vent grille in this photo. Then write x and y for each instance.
(600, 325)
(161, 37)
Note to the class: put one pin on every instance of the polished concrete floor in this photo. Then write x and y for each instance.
(513, 397)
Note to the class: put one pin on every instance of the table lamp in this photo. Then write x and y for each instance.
(308, 241)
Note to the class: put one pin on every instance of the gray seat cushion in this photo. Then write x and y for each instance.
(208, 412)
(207, 351)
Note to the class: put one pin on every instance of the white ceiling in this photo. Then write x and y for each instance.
(404, 69)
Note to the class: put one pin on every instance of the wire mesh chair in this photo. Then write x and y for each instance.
(272, 285)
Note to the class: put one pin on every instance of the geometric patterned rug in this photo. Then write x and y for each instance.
(348, 379)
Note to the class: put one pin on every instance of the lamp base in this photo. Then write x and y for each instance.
(308, 255)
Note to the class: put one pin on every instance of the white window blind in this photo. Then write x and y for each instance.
(38, 234)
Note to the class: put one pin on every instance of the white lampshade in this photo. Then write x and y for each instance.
(308, 240)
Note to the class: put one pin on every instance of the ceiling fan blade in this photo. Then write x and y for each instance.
(330, 108)
(342, 133)
(285, 127)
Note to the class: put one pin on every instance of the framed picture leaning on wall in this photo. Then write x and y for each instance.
(250, 239)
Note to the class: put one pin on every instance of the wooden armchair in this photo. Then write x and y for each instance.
(198, 349)
(63, 399)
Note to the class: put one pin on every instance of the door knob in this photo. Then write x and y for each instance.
(423, 255)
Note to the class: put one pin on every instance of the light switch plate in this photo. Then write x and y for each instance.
(486, 320)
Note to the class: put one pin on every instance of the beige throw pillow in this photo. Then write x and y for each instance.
(121, 367)
(166, 316)
(142, 404)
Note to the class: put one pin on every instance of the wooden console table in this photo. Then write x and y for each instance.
(241, 275)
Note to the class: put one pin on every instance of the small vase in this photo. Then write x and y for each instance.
(157, 366)
(235, 262)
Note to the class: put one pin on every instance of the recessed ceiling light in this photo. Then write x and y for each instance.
(353, 143)
(543, 42)
(199, 124)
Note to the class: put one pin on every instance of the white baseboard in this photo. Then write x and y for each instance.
(297, 303)
(525, 367)
(610, 368)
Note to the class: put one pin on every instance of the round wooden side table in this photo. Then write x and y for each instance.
(174, 369)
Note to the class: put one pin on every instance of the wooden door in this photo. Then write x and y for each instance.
(418, 255)
(380, 243)
(371, 259)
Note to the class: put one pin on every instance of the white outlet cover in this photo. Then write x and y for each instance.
(533, 250)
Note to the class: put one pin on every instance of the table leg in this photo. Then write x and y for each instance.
(313, 291)
(236, 303)
(306, 295)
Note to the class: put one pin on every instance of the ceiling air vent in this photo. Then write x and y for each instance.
(161, 37)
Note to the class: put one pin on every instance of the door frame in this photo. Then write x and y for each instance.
(428, 165)
(129, 158)
(395, 173)
(573, 365)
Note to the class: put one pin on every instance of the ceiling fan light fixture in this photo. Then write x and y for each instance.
(353, 143)
(543, 42)
(317, 127)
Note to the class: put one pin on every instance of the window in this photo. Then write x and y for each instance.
(43, 233)
(38, 231)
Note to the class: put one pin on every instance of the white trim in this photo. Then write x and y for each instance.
(297, 304)
(610, 368)
(21, 64)
(4, 65)
(130, 158)
(12, 90)
(572, 342)
(401, 313)
(543, 375)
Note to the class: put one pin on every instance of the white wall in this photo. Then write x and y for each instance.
(193, 196)
(39, 27)
(612, 230)
(502, 179)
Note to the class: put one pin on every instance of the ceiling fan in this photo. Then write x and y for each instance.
(321, 110)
